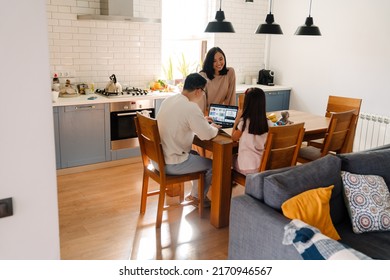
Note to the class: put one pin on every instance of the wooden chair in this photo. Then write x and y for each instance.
(151, 149)
(281, 149)
(241, 98)
(340, 104)
(336, 139)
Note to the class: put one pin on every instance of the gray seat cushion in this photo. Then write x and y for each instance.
(319, 173)
(373, 244)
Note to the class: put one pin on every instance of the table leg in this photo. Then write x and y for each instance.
(221, 184)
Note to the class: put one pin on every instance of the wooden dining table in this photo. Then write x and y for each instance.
(222, 147)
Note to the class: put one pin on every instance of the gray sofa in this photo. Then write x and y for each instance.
(257, 224)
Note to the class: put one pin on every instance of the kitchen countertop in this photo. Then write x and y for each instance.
(83, 99)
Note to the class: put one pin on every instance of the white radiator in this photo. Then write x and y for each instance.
(372, 131)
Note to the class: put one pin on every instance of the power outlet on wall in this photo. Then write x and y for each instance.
(65, 74)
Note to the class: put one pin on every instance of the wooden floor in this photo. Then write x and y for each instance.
(100, 220)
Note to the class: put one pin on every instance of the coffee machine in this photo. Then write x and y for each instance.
(266, 77)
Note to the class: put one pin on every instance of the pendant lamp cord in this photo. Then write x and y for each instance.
(310, 9)
(270, 6)
(220, 5)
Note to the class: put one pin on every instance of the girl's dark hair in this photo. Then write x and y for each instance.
(254, 110)
(209, 61)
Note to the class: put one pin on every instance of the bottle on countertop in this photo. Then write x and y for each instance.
(56, 83)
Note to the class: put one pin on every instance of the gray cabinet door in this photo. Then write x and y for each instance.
(57, 137)
(82, 134)
(277, 100)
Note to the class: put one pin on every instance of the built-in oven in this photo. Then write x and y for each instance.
(123, 131)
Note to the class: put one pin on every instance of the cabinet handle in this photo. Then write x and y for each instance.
(126, 114)
(84, 107)
(131, 113)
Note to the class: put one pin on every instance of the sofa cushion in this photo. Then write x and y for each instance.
(254, 183)
(319, 173)
(312, 207)
(375, 244)
(373, 162)
(368, 202)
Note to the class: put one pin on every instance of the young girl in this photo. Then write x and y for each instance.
(251, 129)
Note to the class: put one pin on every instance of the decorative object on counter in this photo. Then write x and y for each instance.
(68, 90)
(283, 120)
(308, 29)
(82, 88)
(56, 83)
(113, 85)
(220, 25)
(269, 27)
(168, 71)
(159, 85)
(55, 95)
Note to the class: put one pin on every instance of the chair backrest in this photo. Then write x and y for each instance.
(282, 146)
(342, 104)
(241, 98)
(149, 141)
(339, 132)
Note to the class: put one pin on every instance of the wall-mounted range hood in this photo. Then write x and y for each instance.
(118, 10)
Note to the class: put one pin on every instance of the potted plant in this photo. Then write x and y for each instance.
(168, 72)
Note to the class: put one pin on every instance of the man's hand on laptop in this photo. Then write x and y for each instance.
(211, 122)
(209, 119)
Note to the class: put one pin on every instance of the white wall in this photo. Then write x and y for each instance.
(244, 49)
(27, 161)
(352, 57)
(94, 49)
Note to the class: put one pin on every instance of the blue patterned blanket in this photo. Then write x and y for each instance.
(313, 245)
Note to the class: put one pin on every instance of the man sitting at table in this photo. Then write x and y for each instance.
(179, 118)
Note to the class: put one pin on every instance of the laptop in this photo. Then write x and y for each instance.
(223, 115)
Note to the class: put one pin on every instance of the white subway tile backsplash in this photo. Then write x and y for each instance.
(95, 49)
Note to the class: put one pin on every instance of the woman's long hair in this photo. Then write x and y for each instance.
(209, 62)
(254, 110)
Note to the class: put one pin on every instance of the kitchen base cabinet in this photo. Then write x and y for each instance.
(57, 137)
(125, 153)
(276, 100)
(83, 134)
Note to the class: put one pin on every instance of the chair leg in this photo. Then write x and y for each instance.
(144, 194)
(201, 194)
(160, 206)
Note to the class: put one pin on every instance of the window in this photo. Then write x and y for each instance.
(184, 42)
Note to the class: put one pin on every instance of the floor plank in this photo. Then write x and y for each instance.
(100, 220)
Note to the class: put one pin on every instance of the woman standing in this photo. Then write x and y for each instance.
(221, 80)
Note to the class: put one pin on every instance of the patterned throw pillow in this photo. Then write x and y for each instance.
(368, 202)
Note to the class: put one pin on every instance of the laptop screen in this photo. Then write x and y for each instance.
(223, 115)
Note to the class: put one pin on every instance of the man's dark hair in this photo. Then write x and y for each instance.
(194, 81)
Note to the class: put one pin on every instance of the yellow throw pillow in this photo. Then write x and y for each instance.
(312, 207)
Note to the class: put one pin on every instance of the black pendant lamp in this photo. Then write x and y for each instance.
(269, 27)
(219, 25)
(308, 29)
